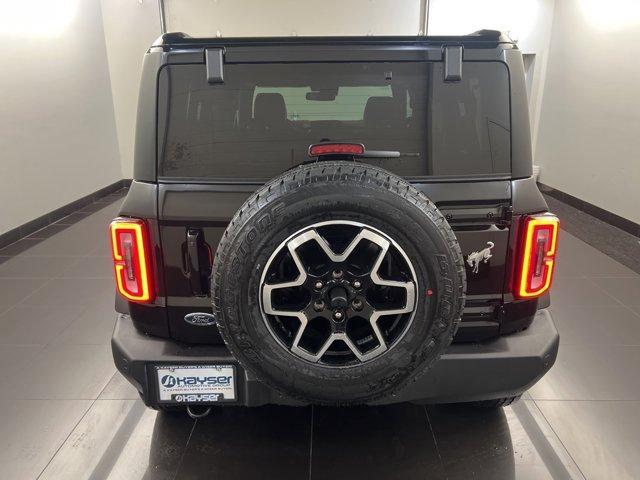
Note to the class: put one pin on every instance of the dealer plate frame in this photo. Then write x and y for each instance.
(157, 368)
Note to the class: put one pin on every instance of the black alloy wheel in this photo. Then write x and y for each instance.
(338, 293)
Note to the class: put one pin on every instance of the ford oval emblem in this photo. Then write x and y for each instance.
(200, 319)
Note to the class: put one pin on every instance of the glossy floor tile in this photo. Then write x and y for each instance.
(66, 413)
(265, 442)
(513, 442)
(63, 372)
(592, 372)
(596, 325)
(602, 437)
(393, 441)
(32, 431)
(118, 388)
(538, 452)
(118, 439)
(94, 326)
(14, 290)
(89, 267)
(26, 325)
(70, 291)
(579, 292)
(624, 289)
(121, 439)
(14, 359)
(34, 267)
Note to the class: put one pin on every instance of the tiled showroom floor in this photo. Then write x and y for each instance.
(66, 414)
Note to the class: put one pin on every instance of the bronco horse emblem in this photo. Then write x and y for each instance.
(483, 255)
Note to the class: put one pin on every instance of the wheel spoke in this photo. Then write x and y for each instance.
(313, 357)
(267, 288)
(409, 287)
(363, 357)
(410, 298)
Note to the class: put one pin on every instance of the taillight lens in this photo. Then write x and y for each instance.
(538, 255)
(318, 149)
(131, 259)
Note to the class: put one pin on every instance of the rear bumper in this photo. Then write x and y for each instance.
(498, 368)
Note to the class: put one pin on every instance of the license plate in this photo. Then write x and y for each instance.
(196, 383)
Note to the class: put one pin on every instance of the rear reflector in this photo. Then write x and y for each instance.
(538, 255)
(319, 149)
(131, 259)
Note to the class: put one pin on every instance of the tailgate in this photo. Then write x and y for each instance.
(193, 217)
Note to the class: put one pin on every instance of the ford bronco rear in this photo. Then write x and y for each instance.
(333, 221)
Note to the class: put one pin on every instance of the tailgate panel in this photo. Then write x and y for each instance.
(474, 210)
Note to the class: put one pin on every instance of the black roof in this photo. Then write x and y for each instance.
(180, 39)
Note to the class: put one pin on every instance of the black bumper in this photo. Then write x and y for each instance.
(502, 367)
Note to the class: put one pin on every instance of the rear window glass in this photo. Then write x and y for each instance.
(262, 119)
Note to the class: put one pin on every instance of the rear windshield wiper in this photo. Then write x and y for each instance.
(327, 149)
(387, 154)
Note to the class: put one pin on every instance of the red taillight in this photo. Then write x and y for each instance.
(131, 259)
(336, 149)
(538, 255)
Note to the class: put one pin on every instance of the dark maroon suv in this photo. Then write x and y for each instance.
(333, 221)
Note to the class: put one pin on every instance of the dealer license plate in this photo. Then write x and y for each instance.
(196, 383)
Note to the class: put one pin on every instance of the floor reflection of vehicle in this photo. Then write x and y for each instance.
(401, 441)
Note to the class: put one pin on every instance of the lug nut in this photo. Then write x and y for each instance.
(357, 284)
(338, 315)
(357, 304)
(337, 274)
(319, 285)
(318, 305)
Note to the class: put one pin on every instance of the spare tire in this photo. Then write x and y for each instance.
(338, 283)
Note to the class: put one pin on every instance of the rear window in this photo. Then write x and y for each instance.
(262, 119)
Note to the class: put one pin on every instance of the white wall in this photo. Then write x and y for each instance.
(130, 27)
(588, 140)
(57, 139)
(293, 17)
(536, 41)
(528, 22)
